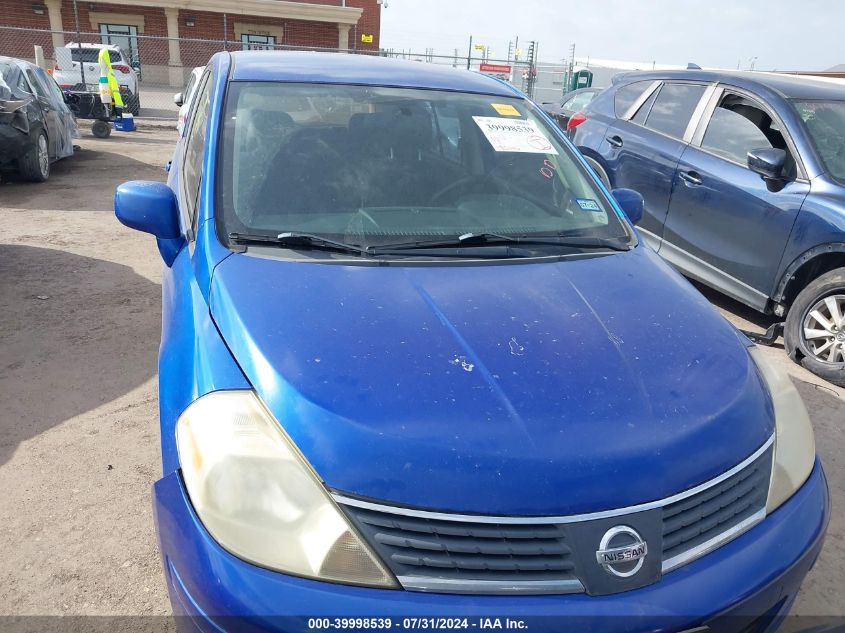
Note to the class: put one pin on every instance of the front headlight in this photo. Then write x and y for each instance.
(260, 499)
(795, 446)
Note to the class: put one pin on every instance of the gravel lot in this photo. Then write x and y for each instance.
(79, 333)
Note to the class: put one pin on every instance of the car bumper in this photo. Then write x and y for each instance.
(13, 143)
(751, 581)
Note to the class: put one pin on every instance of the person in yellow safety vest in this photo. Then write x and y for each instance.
(109, 88)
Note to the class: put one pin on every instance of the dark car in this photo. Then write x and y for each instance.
(743, 176)
(36, 125)
(572, 103)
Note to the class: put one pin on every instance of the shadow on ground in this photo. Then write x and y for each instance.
(749, 318)
(76, 333)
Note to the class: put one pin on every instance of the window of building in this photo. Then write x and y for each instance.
(123, 35)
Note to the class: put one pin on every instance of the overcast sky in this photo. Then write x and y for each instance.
(781, 34)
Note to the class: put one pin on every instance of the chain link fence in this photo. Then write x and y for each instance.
(154, 68)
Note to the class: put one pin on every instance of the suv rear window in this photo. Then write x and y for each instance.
(91, 55)
(626, 96)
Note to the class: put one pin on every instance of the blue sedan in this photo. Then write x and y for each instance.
(418, 369)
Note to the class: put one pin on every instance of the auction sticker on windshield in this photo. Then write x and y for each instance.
(514, 135)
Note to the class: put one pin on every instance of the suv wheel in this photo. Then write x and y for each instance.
(35, 163)
(815, 327)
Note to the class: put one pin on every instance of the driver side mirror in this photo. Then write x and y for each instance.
(631, 202)
(177, 99)
(768, 162)
(148, 206)
(151, 207)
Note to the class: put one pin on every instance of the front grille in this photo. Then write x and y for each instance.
(697, 520)
(431, 551)
(485, 553)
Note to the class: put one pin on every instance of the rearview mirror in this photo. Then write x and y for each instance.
(768, 162)
(177, 99)
(631, 202)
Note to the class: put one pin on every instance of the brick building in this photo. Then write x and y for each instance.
(169, 37)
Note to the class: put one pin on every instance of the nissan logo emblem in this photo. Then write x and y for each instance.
(622, 551)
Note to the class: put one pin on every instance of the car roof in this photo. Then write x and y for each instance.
(788, 86)
(14, 61)
(113, 47)
(367, 70)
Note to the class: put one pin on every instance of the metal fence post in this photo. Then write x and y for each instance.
(79, 44)
(469, 53)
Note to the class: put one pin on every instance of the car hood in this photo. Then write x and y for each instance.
(522, 388)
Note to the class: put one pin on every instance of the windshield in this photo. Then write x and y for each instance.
(825, 121)
(374, 166)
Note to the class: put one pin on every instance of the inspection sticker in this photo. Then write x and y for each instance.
(505, 109)
(514, 135)
(587, 204)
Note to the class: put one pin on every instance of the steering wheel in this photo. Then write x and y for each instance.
(465, 183)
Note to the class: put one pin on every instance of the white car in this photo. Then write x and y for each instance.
(68, 74)
(185, 98)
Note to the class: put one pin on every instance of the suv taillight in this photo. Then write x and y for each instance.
(575, 120)
(120, 68)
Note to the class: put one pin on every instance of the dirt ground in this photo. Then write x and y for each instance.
(79, 334)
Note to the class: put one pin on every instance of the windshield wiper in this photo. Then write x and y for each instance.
(292, 238)
(477, 239)
(462, 240)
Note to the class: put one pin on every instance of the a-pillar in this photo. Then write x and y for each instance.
(174, 64)
(343, 36)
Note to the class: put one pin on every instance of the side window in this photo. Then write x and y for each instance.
(187, 93)
(580, 101)
(627, 95)
(36, 84)
(52, 87)
(195, 147)
(739, 125)
(22, 85)
(642, 114)
(673, 108)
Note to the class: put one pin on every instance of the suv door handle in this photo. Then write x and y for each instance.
(615, 140)
(690, 177)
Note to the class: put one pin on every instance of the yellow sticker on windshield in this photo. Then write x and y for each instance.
(505, 109)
